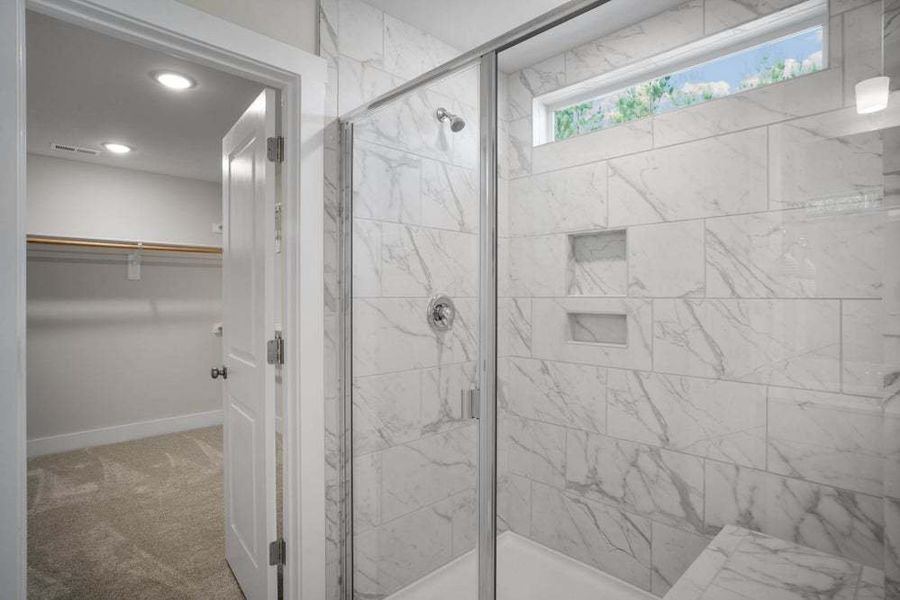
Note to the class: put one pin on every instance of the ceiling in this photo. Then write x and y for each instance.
(466, 24)
(85, 88)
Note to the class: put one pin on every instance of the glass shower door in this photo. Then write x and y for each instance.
(414, 229)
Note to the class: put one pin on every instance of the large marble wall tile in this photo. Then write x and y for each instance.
(735, 496)
(386, 184)
(836, 7)
(360, 82)
(360, 31)
(366, 280)
(616, 542)
(514, 503)
(514, 326)
(560, 201)
(449, 197)
(781, 342)
(649, 481)
(559, 393)
(553, 339)
(834, 521)
(418, 261)
(666, 260)
(674, 550)
(892, 42)
(367, 486)
(717, 176)
(708, 418)
(536, 450)
(669, 29)
(634, 136)
(408, 125)
(395, 554)
(863, 43)
(409, 52)
(827, 438)
(840, 522)
(831, 162)
(387, 410)
(522, 86)
(862, 345)
(811, 94)
(461, 511)
(427, 470)
(386, 338)
(519, 136)
(795, 254)
(440, 396)
(725, 14)
(871, 584)
(892, 190)
(537, 266)
(892, 548)
(391, 334)
(891, 436)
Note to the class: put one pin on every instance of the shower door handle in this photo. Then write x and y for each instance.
(468, 403)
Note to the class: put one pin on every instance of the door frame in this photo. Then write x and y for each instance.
(173, 27)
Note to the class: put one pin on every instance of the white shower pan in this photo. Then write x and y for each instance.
(526, 570)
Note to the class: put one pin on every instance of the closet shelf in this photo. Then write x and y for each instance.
(121, 245)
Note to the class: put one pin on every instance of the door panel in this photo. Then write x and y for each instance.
(248, 195)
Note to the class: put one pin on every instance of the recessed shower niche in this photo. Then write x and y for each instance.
(597, 264)
(594, 328)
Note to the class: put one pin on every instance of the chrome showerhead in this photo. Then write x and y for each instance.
(457, 123)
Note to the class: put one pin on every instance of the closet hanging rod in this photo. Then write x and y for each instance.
(121, 245)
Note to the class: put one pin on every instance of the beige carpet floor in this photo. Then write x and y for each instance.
(137, 520)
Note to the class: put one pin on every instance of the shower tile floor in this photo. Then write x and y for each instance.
(526, 571)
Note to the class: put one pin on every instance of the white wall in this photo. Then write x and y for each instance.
(77, 199)
(105, 351)
(291, 21)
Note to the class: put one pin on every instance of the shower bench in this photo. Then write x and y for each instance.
(745, 565)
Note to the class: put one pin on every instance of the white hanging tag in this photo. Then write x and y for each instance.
(134, 266)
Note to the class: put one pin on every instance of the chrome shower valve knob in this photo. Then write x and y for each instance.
(441, 313)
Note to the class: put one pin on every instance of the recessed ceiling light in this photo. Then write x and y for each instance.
(117, 148)
(173, 81)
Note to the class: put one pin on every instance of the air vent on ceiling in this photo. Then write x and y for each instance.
(70, 149)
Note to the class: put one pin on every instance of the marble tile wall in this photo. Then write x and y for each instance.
(415, 201)
(755, 291)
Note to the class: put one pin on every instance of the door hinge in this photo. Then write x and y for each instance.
(275, 149)
(275, 350)
(277, 550)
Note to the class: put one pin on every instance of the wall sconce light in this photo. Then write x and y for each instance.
(872, 94)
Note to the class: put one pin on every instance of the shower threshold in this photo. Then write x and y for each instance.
(526, 570)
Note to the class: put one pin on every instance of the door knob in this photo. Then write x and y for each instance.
(215, 372)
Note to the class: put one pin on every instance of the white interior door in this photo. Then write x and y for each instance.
(248, 270)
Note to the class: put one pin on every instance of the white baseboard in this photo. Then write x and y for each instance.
(122, 433)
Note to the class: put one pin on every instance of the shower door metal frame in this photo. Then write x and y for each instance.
(486, 56)
(487, 331)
